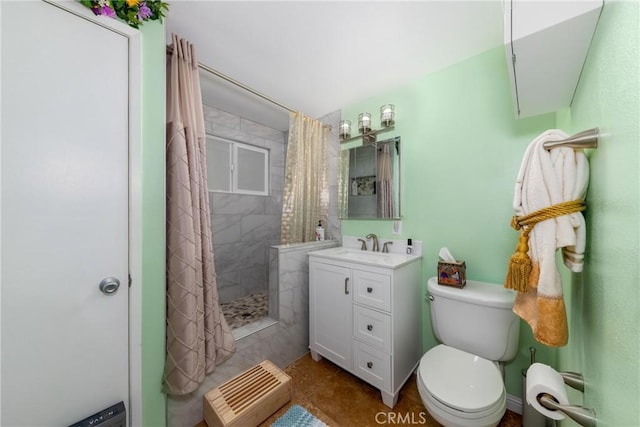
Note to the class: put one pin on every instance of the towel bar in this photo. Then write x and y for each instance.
(584, 139)
(573, 379)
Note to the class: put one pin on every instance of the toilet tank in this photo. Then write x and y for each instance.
(477, 318)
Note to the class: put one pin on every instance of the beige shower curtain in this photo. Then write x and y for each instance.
(198, 337)
(306, 189)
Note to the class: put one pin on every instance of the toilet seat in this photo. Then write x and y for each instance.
(461, 381)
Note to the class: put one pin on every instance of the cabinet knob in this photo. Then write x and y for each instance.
(369, 289)
(346, 286)
(369, 327)
(369, 365)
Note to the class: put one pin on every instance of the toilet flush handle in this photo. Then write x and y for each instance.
(431, 298)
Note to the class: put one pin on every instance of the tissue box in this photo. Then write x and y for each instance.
(452, 273)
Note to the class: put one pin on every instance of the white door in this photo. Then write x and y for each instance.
(64, 216)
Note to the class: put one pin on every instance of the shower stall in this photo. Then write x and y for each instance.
(245, 212)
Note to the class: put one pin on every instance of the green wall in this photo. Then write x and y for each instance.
(605, 300)
(153, 226)
(461, 151)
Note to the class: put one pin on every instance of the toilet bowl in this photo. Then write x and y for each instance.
(460, 389)
(460, 381)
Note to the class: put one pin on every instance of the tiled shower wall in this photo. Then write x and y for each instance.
(245, 226)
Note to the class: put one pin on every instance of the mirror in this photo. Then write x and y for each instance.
(369, 181)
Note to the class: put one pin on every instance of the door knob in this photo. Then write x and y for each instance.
(109, 285)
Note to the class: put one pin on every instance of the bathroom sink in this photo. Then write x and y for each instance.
(379, 259)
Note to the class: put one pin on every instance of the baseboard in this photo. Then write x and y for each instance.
(514, 404)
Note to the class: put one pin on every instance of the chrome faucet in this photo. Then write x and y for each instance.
(375, 247)
(363, 247)
(385, 247)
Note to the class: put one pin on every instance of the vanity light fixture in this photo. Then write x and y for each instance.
(368, 135)
(345, 129)
(364, 122)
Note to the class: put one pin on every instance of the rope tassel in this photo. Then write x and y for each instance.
(519, 265)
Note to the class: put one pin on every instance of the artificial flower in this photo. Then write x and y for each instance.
(106, 11)
(143, 11)
(133, 12)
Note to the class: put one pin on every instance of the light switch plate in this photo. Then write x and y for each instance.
(396, 227)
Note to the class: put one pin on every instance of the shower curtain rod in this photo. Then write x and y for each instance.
(241, 85)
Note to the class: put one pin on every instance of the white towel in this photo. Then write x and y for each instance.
(547, 178)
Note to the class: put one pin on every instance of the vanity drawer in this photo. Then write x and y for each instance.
(372, 365)
(372, 327)
(372, 289)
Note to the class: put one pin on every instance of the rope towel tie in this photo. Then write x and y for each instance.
(520, 264)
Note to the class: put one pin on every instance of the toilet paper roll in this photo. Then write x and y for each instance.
(542, 378)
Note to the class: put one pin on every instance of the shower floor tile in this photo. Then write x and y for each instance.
(245, 310)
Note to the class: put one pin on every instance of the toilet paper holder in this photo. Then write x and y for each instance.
(583, 416)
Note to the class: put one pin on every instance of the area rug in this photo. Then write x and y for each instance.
(297, 416)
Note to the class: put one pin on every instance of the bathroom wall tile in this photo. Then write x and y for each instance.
(260, 130)
(273, 204)
(298, 335)
(236, 204)
(334, 230)
(226, 228)
(185, 410)
(234, 134)
(286, 307)
(300, 304)
(215, 115)
(276, 153)
(239, 256)
(291, 307)
(222, 131)
(229, 293)
(255, 279)
(277, 182)
(227, 280)
(294, 271)
(258, 228)
(268, 333)
(273, 299)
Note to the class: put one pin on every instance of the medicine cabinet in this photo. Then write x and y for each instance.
(369, 181)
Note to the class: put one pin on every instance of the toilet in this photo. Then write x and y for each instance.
(461, 380)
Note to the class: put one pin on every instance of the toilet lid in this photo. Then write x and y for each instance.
(461, 380)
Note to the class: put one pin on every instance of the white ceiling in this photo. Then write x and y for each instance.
(319, 56)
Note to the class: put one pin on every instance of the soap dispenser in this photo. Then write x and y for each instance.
(319, 232)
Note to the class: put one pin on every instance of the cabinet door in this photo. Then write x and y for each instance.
(330, 290)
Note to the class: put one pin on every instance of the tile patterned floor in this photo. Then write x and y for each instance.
(245, 310)
(340, 399)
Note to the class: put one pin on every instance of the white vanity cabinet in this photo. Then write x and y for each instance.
(366, 318)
